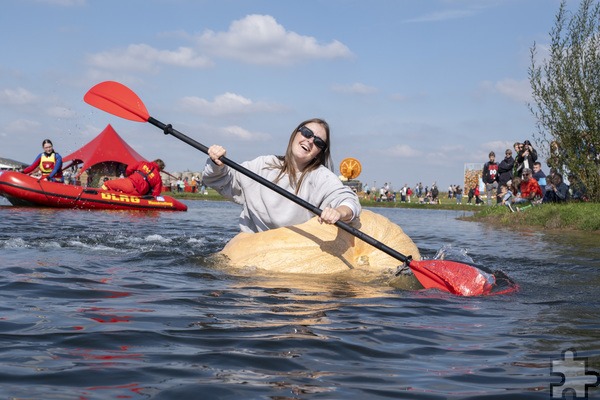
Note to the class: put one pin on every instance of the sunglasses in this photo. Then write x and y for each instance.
(307, 133)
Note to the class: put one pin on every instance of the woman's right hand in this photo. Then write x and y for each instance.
(215, 152)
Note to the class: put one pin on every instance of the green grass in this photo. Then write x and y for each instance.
(212, 195)
(576, 216)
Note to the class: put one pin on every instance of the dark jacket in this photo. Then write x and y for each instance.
(505, 170)
(490, 172)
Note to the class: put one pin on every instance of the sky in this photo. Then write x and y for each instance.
(412, 89)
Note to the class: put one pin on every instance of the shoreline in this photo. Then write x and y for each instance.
(571, 216)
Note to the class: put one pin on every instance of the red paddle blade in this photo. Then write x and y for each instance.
(453, 277)
(117, 99)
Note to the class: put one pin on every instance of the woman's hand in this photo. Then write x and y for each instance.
(331, 215)
(215, 152)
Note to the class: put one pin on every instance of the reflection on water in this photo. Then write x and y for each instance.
(107, 304)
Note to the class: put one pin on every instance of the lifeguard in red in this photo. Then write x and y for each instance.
(140, 179)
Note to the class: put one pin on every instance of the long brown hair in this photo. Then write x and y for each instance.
(323, 158)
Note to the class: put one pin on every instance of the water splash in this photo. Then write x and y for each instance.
(448, 252)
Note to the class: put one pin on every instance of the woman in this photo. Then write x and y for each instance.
(525, 158)
(303, 170)
(48, 162)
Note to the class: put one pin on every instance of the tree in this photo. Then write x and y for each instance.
(566, 95)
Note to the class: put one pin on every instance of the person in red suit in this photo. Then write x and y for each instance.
(140, 179)
(49, 163)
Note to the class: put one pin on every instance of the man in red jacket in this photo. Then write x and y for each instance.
(140, 179)
(530, 189)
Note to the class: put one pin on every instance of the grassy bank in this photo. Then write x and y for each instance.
(577, 216)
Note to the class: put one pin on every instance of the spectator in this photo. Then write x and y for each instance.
(526, 157)
(506, 196)
(577, 189)
(434, 194)
(529, 189)
(505, 170)
(471, 194)
(539, 176)
(553, 161)
(517, 168)
(478, 200)
(490, 177)
(459, 194)
(557, 191)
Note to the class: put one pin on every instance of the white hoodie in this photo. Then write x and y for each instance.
(264, 209)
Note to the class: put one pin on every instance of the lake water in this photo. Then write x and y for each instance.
(107, 305)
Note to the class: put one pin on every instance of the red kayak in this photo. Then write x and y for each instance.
(24, 190)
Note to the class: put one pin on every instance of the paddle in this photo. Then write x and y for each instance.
(449, 276)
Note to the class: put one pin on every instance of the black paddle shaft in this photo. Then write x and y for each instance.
(169, 130)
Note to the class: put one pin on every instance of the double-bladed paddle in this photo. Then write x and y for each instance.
(450, 276)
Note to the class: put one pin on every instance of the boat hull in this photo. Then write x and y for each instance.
(23, 190)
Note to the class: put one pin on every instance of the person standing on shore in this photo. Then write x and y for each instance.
(505, 171)
(490, 178)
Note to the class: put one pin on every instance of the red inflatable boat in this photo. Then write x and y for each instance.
(24, 190)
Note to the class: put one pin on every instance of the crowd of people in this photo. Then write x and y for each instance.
(515, 182)
(405, 194)
(519, 182)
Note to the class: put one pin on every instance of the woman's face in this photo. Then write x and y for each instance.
(303, 149)
(47, 148)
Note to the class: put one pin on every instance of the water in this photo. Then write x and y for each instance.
(106, 305)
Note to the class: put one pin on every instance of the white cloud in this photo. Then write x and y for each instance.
(225, 104)
(402, 150)
(243, 134)
(145, 58)
(259, 39)
(17, 96)
(516, 90)
(355, 88)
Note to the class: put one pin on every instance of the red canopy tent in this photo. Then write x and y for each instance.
(107, 147)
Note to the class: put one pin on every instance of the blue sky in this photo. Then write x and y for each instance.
(413, 89)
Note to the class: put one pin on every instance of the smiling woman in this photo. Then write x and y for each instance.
(305, 170)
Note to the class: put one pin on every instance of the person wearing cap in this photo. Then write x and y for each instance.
(505, 171)
(490, 177)
(529, 189)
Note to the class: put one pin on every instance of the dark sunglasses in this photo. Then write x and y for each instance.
(307, 133)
